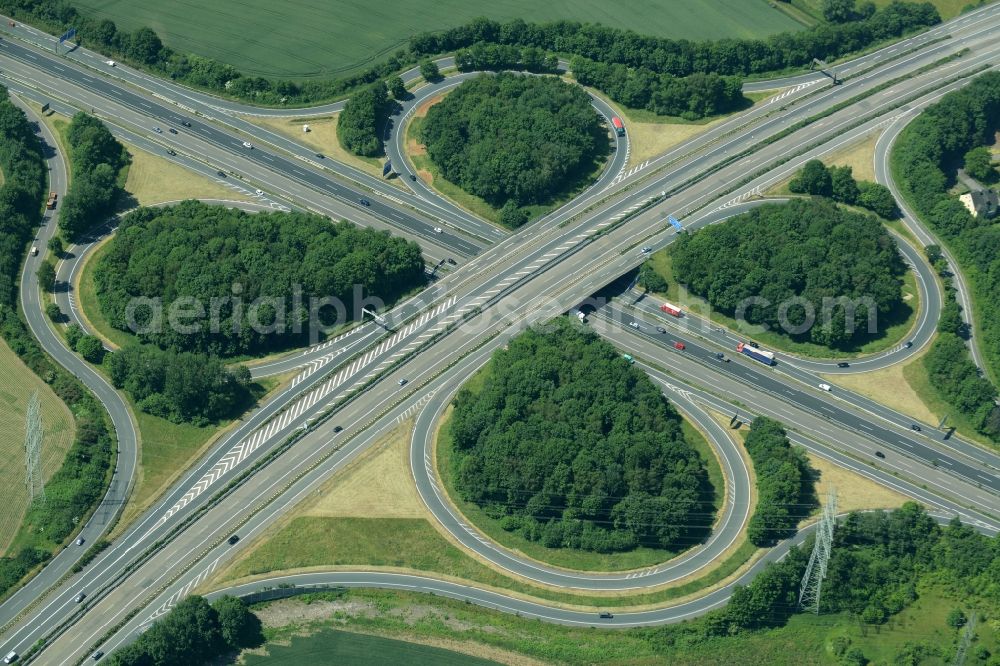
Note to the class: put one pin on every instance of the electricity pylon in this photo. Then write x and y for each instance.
(812, 581)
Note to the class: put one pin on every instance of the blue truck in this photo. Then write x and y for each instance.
(765, 357)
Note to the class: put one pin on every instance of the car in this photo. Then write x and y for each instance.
(170, 151)
(753, 344)
(679, 345)
(320, 156)
(247, 144)
(634, 324)
(364, 202)
(879, 454)
(110, 63)
(452, 261)
(80, 541)
(843, 364)
(915, 427)
(647, 250)
(606, 615)
(413, 178)
(34, 251)
(172, 130)
(186, 123)
(825, 387)
(80, 597)
(402, 382)
(97, 655)
(338, 428)
(158, 130)
(259, 192)
(233, 539)
(720, 355)
(220, 174)
(10, 658)
(908, 344)
(438, 230)
(660, 329)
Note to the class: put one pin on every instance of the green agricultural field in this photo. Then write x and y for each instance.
(16, 386)
(349, 649)
(308, 38)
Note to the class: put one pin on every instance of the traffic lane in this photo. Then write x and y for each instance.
(883, 175)
(734, 514)
(126, 458)
(825, 408)
(236, 145)
(730, 395)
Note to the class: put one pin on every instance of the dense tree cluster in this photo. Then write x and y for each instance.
(681, 57)
(925, 157)
(97, 158)
(785, 492)
(571, 446)
(691, 97)
(359, 128)
(510, 137)
(979, 164)
(483, 56)
(876, 564)
(954, 375)
(21, 193)
(72, 491)
(782, 261)
(838, 183)
(194, 632)
(180, 386)
(195, 253)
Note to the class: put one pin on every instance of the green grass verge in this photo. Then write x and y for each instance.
(358, 650)
(477, 205)
(310, 41)
(568, 558)
(413, 543)
(894, 327)
(917, 377)
(805, 640)
(88, 302)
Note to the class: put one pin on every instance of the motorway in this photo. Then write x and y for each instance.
(506, 282)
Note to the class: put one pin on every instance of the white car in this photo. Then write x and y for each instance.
(634, 324)
(111, 63)
(825, 387)
(438, 230)
(247, 144)
(259, 193)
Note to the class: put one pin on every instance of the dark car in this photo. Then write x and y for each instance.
(80, 597)
(172, 130)
(908, 344)
(606, 615)
(80, 541)
(338, 428)
(185, 123)
(660, 329)
(843, 364)
(220, 174)
(97, 655)
(452, 261)
(233, 539)
(365, 202)
(413, 178)
(914, 427)
(321, 156)
(753, 344)
(170, 151)
(879, 454)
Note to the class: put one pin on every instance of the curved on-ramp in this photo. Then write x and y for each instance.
(734, 513)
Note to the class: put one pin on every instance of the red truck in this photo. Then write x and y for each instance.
(619, 128)
(671, 309)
